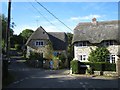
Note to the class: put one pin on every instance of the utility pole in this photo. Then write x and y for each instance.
(8, 30)
(7, 44)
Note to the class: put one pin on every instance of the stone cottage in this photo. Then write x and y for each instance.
(38, 41)
(89, 35)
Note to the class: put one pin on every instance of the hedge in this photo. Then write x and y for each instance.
(75, 65)
(101, 66)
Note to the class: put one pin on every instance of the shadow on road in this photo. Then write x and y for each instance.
(34, 78)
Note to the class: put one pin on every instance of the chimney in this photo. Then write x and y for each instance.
(94, 21)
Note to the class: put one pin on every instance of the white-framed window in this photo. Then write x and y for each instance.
(81, 44)
(39, 43)
(109, 42)
(111, 58)
(82, 57)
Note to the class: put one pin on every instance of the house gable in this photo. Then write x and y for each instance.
(58, 39)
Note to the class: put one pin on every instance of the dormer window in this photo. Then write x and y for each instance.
(81, 44)
(108, 43)
(39, 43)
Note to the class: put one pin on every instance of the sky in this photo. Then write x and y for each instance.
(25, 16)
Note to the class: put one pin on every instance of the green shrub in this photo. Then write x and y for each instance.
(100, 66)
(100, 54)
(35, 56)
(35, 60)
(61, 65)
(89, 71)
(75, 65)
(17, 47)
(62, 57)
(97, 66)
(110, 67)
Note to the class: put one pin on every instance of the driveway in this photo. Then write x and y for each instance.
(39, 78)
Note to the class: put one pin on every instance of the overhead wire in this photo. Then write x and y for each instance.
(54, 15)
(43, 15)
(40, 13)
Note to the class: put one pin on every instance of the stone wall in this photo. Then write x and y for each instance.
(106, 73)
(83, 50)
(86, 50)
(118, 67)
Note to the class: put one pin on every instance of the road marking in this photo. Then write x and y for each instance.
(61, 81)
(86, 83)
(84, 86)
(20, 80)
(16, 82)
(81, 83)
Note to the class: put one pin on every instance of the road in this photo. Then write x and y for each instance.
(39, 78)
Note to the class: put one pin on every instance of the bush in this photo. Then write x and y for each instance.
(100, 66)
(89, 71)
(62, 57)
(110, 67)
(35, 60)
(75, 65)
(98, 55)
(55, 62)
(35, 56)
(17, 47)
(61, 65)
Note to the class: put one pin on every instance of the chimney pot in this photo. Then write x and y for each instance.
(94, 21)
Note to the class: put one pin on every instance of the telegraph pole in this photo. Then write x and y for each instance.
(8, 30)
(7, 44)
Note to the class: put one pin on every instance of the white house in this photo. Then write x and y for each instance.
(89, 35)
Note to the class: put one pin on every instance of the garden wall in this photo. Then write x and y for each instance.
(106, 73)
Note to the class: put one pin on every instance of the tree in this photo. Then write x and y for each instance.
(16, 39)
(4, 19)
(26, 34)
(49, 51)
(70, 47)
(98, 55)
(4, 26)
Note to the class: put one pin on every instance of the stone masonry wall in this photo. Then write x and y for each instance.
(106, 73)
(87, 50)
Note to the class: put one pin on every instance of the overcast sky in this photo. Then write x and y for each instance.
(71, 13)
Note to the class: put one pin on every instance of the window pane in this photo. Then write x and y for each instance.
(84, 43)
(77, 44)
(107, 43)
(84, 57)
(80, 57)
(113, 58)
(36, 43)
(111, 43)
(80, 44)
(41, 43)
(113, 61)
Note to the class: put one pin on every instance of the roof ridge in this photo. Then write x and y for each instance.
(99, 21)
(56, 32)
